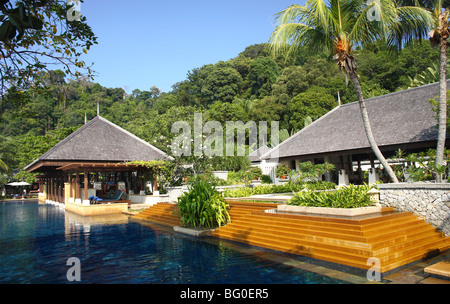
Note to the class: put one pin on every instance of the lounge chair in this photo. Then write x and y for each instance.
(109, 195)
(117, 196)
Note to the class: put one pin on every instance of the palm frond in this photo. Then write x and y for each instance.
(346, 22)
(413, 23)
(295, 28)
(320, 12)
(4, 167)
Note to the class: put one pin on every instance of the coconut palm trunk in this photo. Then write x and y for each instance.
(442, 130)
(438, 37)
(368, 128)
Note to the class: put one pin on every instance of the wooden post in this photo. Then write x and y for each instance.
(77, 185)
(70, 185)
(52, 188)
(61, 185)
(86, 186)
(45, 188)
(142, 181)
(58, 188)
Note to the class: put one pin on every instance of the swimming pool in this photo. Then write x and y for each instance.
(36, 241)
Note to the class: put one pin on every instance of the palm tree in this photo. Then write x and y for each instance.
(338, 27)
(3, 166)
(438, 36)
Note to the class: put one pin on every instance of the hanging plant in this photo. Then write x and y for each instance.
(160, 171)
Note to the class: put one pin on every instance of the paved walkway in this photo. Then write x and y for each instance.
(416, 274)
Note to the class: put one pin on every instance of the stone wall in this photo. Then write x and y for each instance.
(430, 201)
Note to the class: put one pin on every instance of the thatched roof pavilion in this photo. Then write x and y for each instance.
(97, 146)
(401, 120)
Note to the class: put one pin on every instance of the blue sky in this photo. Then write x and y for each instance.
(155, 43)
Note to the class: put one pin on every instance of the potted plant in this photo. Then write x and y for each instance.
(255, 173)
(282, 171)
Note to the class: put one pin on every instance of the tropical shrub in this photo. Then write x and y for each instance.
(208, 177)
(282, 170)
(239, 177)
(321, 185)
(311, 172)
(202, 206)
(158, 170)
(422, 166)
(279, 188)
(255, 172)
(347, 197)
(265, 179)
(239, 192)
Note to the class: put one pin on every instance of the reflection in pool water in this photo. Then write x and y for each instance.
(37, 240)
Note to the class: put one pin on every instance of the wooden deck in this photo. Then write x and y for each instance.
(161, 213)
(395, 238)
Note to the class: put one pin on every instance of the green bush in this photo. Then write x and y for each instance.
(255, 172)
(265, 179)
(202, 206)
(239, 192)
(208, 177)
(279, 188)
(282, 170)
(347, 197)
(321, 185)
(239, 177)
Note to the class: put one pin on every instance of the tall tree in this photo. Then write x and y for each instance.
(340, 25)
(439, 37)
(35, 35)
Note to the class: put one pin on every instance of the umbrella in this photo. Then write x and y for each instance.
(23, 184)
(18, 184)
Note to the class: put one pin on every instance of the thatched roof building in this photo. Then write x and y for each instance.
(98, 147)
(99, 140)
(401, 120)
(255, 156)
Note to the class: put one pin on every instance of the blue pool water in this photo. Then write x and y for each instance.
(37, 240)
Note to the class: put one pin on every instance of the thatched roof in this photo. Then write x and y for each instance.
(400, 118)
(100, 140)
(255, 155)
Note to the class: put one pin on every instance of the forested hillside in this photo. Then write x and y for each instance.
(252, 86)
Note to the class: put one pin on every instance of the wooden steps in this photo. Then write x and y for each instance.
(160, 213)
(395, 238)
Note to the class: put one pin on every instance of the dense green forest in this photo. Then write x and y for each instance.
(252, 86)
